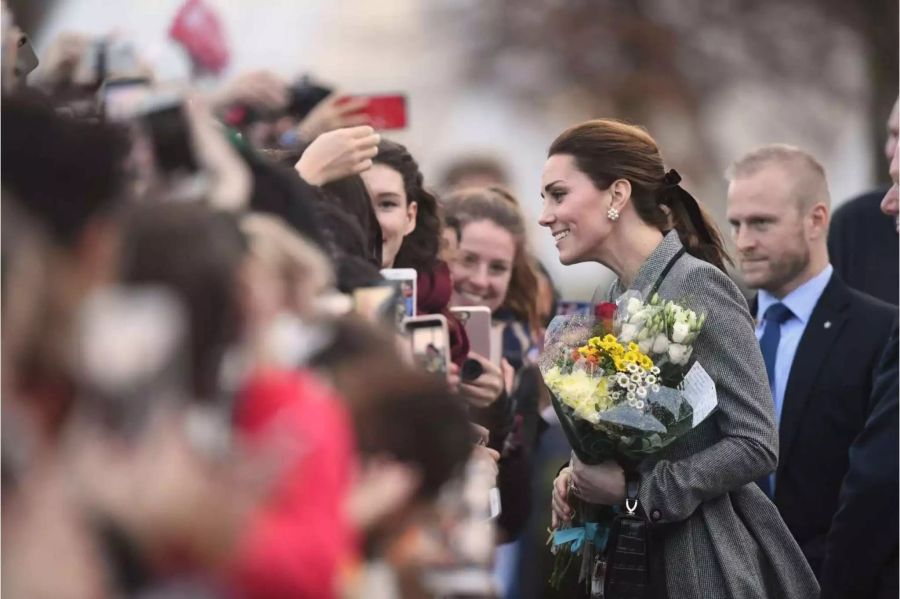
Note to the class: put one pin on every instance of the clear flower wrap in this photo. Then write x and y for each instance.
(616, 378)
(623, 385)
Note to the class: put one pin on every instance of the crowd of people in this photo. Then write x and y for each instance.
(200, 401)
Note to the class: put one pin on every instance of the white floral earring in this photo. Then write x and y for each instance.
(612, 214)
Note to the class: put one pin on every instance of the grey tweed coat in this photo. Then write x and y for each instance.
(727, 539)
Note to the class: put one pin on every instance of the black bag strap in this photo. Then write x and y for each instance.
(632, 481)
(665, 271)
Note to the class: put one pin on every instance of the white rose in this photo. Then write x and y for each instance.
(660, 344)
(680, 332)
(628, 333)
(646, 344)
(639, 317)
(634, 304)
(678, 354)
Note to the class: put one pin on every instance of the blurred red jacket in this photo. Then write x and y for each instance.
(299, 539)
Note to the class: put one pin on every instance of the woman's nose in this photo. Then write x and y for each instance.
(547, 217)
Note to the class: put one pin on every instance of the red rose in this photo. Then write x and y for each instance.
(605, 310)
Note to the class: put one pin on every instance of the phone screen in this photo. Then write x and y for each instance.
(405, 278)
(172, 146)
(430, 343)
(386, 111)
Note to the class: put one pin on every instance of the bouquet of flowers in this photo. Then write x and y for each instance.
(623, 386)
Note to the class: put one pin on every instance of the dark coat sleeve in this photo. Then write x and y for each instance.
(861, 549)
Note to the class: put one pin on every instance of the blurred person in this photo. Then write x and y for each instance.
(778, 207)
(413, 434)
(298, 539)
(71, 189)
(479, 170)
(62, 184)
(283, 278)
(277, 190)
(414, 420)
(608, 198)
(861, 550)
(862, 242)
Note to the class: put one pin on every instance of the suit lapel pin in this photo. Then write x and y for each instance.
(827, 324)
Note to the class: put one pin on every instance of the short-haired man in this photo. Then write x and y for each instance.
(820, 339)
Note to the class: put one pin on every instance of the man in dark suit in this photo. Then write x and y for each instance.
(862, 241)
(820, 340)
(861, 554)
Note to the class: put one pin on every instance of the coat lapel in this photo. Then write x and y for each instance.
(821, 332)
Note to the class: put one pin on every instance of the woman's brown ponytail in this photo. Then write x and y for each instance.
(696, 228)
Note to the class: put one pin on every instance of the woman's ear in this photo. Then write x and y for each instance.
(620, 193)
(412, 209)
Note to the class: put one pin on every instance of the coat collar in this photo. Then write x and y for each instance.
(654, 265)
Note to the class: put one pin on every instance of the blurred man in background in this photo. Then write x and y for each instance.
(862, 241)
(861, 551)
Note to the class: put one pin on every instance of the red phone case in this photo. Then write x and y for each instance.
(386, 111)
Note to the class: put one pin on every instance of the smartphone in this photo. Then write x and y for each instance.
(385, 111)
(121, 99)
(477, 322)
(170, 135)
(430, 342)
(406, 278)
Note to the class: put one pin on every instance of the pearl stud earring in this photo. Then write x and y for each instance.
(612, 214)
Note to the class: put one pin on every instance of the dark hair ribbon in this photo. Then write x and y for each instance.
(671, 191)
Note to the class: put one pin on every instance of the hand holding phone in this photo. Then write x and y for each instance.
(487, 388)
(332, 112)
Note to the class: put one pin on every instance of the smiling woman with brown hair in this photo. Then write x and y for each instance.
(607, 198)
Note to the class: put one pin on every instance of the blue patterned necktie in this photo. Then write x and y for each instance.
(775, 316)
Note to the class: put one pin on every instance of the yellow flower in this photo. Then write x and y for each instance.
(586, 395)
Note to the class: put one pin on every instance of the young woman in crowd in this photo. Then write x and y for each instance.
(411, 233)
(492, 269)
(607, 198)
